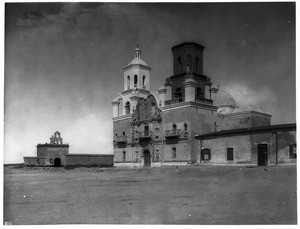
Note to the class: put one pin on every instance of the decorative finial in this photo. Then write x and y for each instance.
(137, 52)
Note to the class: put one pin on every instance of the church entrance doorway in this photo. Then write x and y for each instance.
(147, 158)
(57, 162)
(262, 155)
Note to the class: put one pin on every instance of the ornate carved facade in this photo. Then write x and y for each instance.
(146, 111)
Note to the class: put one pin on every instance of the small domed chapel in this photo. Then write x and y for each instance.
(198, 123)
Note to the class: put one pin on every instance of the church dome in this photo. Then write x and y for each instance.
(138, 61)
(137, 58)
(224, 99)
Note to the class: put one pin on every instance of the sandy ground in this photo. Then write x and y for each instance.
(194, 195)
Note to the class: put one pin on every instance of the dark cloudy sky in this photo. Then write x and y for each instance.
(63, 63)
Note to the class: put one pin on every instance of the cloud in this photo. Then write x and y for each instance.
(46, 14)
(41, 16)
(245, 95)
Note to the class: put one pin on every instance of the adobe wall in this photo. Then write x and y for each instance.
(260, 121)
(183, 151)
(285, 139)
(134, 153)
(241, 150)
(199, 121)
(245, 148)
(242, 120)
(233, 122)
(49, 153)
(121, 126)
(30, 161)
(34, 161)
(264, 138)
(89, 160)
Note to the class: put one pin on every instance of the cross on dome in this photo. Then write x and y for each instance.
(137, 52)
(137, 58)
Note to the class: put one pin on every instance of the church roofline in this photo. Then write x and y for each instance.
(122, 117)
(231, 106)
(52, 145)
(141, 66)
(129, 91)
(185, 74)
(250, 130)
(90, 155)
(189, 104)
(187, 44)
(246, 112)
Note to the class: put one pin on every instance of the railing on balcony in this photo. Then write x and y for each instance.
(172, 133)
(145, 135)
(121, 139)
(205, 101)
(199, 100)
(173, 101)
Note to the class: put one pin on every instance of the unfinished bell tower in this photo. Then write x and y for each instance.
(188, 82)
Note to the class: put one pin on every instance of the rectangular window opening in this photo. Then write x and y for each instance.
(174, 152)
(205, 154)
(124, 155)
(230, 154)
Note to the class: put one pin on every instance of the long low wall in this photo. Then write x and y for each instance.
(89, 160)
(34, 161)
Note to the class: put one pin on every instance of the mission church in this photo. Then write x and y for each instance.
(199, 123)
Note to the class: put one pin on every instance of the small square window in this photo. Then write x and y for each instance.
(205, 154)
(230, 154)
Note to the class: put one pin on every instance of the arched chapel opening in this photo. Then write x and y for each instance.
(57, 162)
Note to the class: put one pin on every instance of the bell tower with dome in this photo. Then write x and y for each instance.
(137, 73)
(136, 85)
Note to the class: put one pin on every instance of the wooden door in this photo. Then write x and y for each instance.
(262, 154)
(147, 158)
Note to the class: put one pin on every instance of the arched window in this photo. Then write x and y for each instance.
(185, 126)
(124, 156)
(196, 65)
(174, 126)
(178, 94)
(199, 93)
(168, 94)
(144, 82)
(179, 65)
(146, 130)
(128, 82)
(188, 64)
(135, 79)
(127, 108)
